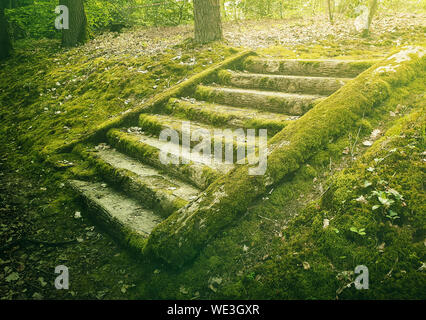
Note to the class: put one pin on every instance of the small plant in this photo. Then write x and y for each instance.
(392, 215)
(361, 231)
(386, 199)
(251, 275)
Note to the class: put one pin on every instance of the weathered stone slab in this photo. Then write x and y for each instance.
(270, 101)
(119, 214)
(200, 171)
(154, 189)
(227, 116)
(290, 84)
(322, 68)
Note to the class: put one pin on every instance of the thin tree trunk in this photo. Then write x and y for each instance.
(5, 41)
(207, 21)
(330, 5)
(77, 32)
(372, 12)
(222, 9)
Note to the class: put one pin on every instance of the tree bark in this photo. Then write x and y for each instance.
(77, 32)
(208, 25)
(372, 12)
(5, 41)
(330, 6)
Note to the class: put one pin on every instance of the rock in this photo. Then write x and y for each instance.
(326, 223)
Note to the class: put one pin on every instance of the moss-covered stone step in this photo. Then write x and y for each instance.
(270, 101)
(123, 217)
(226, 116)
(289, 84)
(199, 171)
(196, 133)
(154, 190)
(322, 68)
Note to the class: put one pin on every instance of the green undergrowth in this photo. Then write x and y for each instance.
(279, 249)
(49, 96)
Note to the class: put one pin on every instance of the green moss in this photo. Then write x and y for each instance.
(132, 146)
(209, 175)
(198, 112)
(224, 77)
(308, 172)
(248, 62)
(135, 243)
(204, 93)
(150, 124)
(312, 64)
(273, 126)
(186, 110)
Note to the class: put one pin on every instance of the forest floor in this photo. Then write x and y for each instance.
(293, 34)
(40, 226)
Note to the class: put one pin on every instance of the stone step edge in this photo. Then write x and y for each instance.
(124, 235)
(195, 174)
(258, 64)
(155, 124)
(133, 185)
(282, 83)
(203, 112)
(269, 101)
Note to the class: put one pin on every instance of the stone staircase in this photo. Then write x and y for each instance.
(137, 191)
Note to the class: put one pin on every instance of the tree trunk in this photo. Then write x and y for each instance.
(208, 25)
(372, 12)
(5, 41)
(330, 6)
(77, 32)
